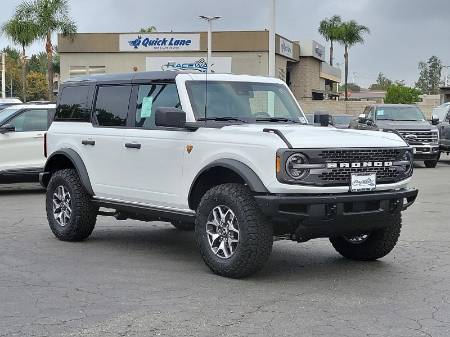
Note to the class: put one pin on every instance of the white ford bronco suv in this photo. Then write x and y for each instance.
(231, 156)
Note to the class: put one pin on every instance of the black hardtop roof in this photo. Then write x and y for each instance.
(125, 77)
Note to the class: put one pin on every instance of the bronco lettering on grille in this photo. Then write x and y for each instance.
(360, 164)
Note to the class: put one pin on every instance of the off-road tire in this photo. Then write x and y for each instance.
(430, 163)
(84, 212)
(378, 244)
(184, 226)
(255, 231)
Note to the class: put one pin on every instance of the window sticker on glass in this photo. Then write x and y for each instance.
(380, 112)
(146, 110)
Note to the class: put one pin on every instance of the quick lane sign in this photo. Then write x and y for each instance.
(158, 42)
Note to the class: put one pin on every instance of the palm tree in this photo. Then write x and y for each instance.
(350, 33)
(149, 29)
(329, 29)
(50, 16)
(22, 32)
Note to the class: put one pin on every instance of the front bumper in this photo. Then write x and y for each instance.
(305, 217)
(426, 152)
(335, 206)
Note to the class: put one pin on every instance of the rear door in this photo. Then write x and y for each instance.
(103, 150)
(22, 149)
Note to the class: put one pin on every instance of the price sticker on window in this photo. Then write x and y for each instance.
(146, 109)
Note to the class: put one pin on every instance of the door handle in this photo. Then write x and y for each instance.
(88, 142)
(132, 146)
(39, 136)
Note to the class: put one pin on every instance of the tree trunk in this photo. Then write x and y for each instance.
(49, 50)
(24, 76)
(346, 72)
(331, 53)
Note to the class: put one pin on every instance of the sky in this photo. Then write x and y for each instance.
(403, 32)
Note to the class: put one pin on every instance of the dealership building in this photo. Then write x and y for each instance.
(301, 64)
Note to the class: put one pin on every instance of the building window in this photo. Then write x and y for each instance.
(75, 71)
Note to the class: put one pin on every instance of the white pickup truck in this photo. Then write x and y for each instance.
(232, 156)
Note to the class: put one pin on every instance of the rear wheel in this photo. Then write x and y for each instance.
(370, 246)
(234, 239)
(70, 211)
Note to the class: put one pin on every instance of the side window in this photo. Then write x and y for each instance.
(111, 105)
(73, 104)
(31, 120)
(447, 118)
(151, 97)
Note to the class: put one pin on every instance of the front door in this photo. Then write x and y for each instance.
(444, 130)
(153, 156)
(23, 148)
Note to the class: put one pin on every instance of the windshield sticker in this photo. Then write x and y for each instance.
(380, 112)
(146, 110)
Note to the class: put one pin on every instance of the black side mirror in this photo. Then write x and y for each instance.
(370, 122)
(7, 128)
(322, 119)
(435, 120)
(170, 117)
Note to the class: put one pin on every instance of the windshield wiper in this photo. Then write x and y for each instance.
(276, 119)
(221, 119)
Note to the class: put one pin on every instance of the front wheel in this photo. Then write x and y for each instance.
(430, 163)
(370, 246)
(234, 238)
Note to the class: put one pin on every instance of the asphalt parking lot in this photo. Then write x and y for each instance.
(147, 279)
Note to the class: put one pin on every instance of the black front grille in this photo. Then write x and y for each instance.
(334, 166)
(342, 175)
(360, 155)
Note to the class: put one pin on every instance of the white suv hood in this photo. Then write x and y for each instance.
(307, 136)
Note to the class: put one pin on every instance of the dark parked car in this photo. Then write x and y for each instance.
(444, 131)
(407, 120)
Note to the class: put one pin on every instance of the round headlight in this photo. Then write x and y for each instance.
(294, 166)
(408, 156)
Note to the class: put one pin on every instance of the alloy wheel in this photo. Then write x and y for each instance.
(222, 230)
(62, 205)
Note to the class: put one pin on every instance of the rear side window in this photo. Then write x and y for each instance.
(111, 105)
(73, 104)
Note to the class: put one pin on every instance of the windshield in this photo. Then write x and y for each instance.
(6, 113)
(244, 101)
(400, 113)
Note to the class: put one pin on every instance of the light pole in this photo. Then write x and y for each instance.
(272, 28)
(3, 75)
(209, 19)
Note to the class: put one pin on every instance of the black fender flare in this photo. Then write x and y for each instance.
(249, 176)
(76, 161)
